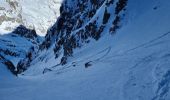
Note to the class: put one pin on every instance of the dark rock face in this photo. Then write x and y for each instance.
(8, 52)
(106, 16)
(120, 5)
(21, 67)
(25, 63)
(71, 19)
(10, 66)
(115, 25)
(63, 60)
(109, 2)
(75, 18)
(25, 32)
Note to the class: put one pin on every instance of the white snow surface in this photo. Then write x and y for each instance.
(133, 64)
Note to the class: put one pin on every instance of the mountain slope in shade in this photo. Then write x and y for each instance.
(36, 14)
(128, 61)
(15, 46)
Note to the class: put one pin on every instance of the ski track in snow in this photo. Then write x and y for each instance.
(142, 45)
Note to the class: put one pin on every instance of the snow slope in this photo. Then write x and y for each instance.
(133, 64)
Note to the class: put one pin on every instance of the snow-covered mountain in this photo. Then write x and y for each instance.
(98, 50)
(15, 46)
(34, 14)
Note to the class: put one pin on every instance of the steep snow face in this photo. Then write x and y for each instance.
(131, 64)
(37, 14)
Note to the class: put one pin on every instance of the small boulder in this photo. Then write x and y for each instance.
(88, 64)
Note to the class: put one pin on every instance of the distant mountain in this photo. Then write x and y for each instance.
(34, 14)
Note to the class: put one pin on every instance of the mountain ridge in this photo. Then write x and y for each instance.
(28, 13)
